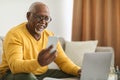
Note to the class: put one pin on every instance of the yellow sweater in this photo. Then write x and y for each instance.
(20, 51)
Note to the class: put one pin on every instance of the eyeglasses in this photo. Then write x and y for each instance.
(40, 18)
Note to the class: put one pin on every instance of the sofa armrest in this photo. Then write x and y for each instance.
(106, 49)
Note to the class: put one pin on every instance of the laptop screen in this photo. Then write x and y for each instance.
(96, 66)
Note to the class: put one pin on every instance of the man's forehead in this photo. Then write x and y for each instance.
(42, 10)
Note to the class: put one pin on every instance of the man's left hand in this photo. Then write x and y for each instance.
(79, 72)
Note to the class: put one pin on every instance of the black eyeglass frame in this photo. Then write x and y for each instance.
(40, 18)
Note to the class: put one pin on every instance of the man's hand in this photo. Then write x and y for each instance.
(45, 57)
(79, 72)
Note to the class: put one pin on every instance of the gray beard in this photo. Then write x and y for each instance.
(38, 32)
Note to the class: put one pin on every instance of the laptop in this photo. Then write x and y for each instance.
(96, 66)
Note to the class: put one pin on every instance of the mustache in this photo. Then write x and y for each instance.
(41, 25)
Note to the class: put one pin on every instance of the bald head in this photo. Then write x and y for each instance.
(36, 6)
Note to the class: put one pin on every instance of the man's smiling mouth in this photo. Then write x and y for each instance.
(39, 28)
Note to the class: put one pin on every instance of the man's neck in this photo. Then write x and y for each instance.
(35, 35)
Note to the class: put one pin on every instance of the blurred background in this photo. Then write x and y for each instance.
(13, 12)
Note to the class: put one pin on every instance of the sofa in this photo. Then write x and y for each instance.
(66, 45)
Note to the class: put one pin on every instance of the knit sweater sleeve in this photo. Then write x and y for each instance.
(14, 55)
(65, 63)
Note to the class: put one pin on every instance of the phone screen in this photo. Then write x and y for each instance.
(52, 40)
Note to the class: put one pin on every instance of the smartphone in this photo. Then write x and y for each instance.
(52, 40)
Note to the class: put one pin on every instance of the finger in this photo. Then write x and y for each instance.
(46, 51)
(41, 52)
(53, 52)
(50, 60)
(50, 47)
(43, 55)
(79, 72)
(51, 57)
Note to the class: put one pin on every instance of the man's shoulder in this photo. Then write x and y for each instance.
(16, 30)
(18, 27)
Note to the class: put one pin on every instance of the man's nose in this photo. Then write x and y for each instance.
(43, 21)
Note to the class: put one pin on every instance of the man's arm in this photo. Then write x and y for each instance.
(65, 63)
(13, 49)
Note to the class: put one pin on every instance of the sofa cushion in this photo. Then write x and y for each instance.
(1, 40)
(75, 50)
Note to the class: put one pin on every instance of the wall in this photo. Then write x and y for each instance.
(13, 12)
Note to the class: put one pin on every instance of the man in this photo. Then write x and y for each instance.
(25, 56)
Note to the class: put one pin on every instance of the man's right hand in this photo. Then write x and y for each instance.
(45, 57)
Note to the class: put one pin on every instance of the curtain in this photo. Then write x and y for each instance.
(98, 20)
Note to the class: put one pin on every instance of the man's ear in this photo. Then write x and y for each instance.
(28, 15)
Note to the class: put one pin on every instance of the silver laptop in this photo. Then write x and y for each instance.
(96, 66)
